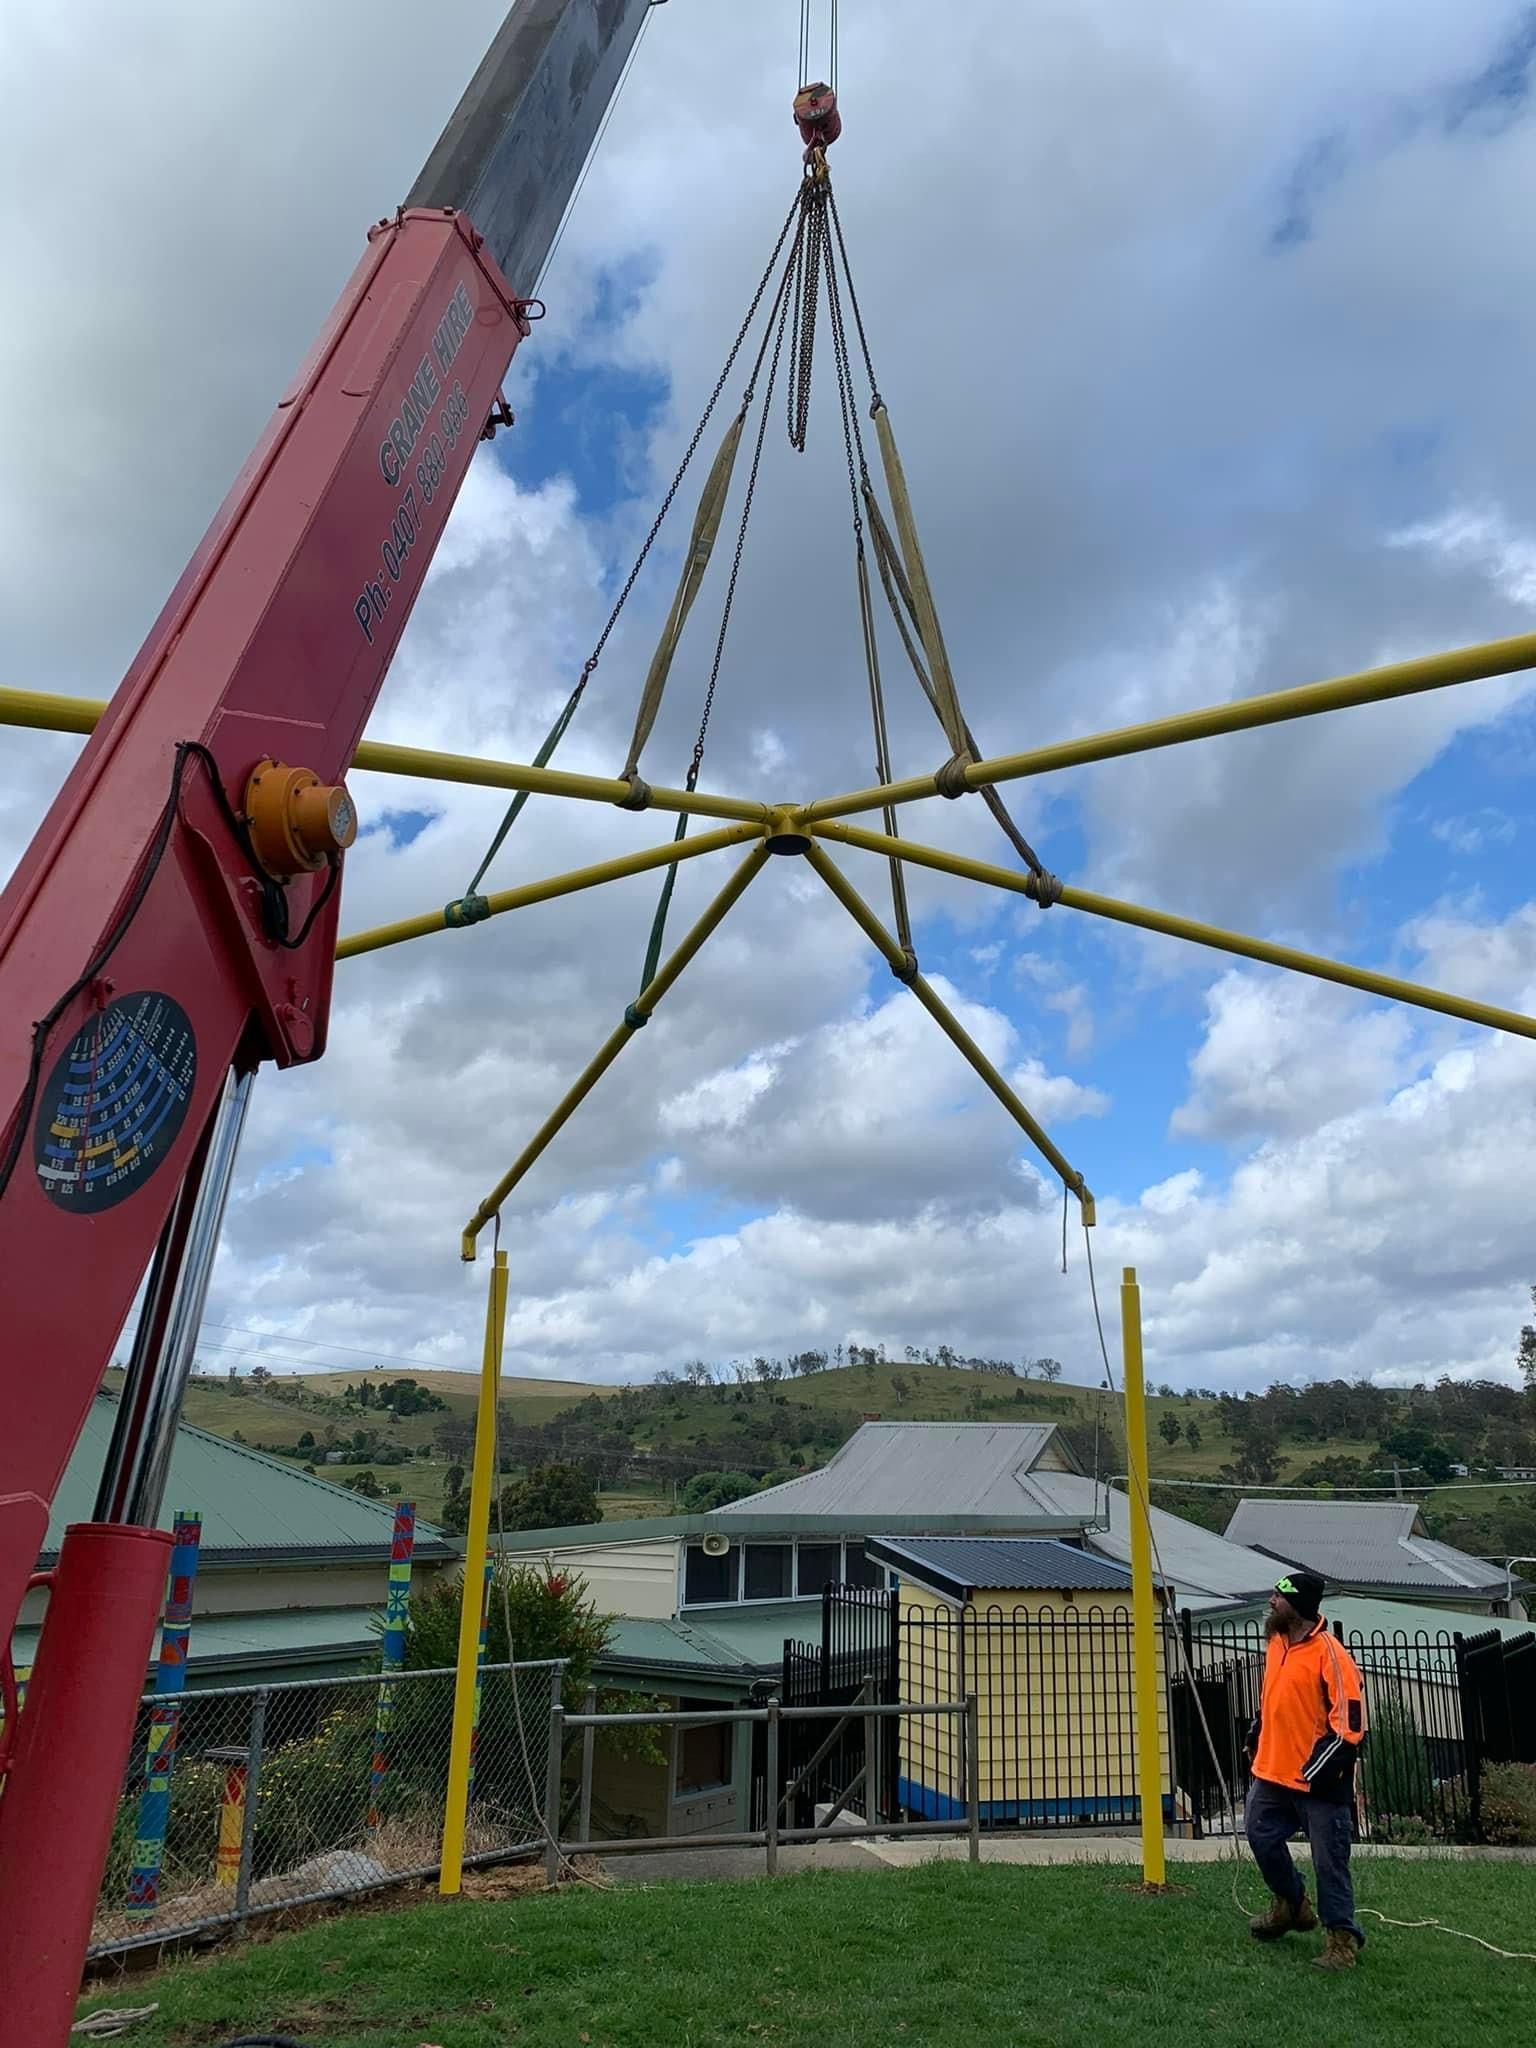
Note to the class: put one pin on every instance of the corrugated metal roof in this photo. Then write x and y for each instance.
(240, 1642)
(1202, 1568)
(900, 1468)
(1359, 1543)
(253, 1507)
(963, 1565)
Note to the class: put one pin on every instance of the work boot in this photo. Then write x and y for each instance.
(1283, 1918)
(1339, 1951)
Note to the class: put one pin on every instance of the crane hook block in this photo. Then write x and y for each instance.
(817, 118)
(297, 822)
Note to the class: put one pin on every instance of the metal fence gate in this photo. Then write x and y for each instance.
(857, 1659)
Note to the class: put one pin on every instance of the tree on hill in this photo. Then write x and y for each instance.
(1418, 1450)
(364, 1483)
(1192, 1434)
(549, 1497)
(1170, 1429)
(707, 1491)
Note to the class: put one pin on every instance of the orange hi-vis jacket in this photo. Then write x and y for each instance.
(1312, 1716)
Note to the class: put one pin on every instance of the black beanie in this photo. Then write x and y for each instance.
(1304, 1590)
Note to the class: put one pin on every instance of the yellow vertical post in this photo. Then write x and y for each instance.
(1149, 1757)
(476, 1539)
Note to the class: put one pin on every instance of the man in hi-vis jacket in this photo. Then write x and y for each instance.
(1304, 1744)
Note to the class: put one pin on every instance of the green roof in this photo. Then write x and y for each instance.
(730, 1642)
(255, 1509)
(229, 1648)
(1359, 1615)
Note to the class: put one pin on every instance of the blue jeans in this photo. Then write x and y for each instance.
(1272, 1815)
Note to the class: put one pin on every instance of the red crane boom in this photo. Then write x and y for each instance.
(173, 923)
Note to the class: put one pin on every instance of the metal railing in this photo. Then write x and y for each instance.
(1419, 1771)
(285, 1795)
(782, 1789)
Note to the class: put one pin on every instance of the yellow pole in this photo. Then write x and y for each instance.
(1387, 986)
(1340, 693)
(79, 714)
(476, 1539)
(635, 1017)
(556, 885)
(1149, 1757)
(905, 968)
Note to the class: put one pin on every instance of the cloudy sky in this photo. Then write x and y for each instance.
(1207, 334)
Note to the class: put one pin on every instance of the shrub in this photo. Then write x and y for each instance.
(1507, 1805)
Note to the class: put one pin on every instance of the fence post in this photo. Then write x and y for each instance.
(552, 1792)
(1198, 1760)
(255, 1745)
(402, 1548)
(775, 1791)
(164, 1719)
(1471, 1736)
(1149, 1761)
(872, 1775)
(588, 1746)
(973, 1775)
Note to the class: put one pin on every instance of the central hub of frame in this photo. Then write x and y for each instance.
(785, 834)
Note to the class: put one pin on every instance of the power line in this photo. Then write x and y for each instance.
(1322, 1486)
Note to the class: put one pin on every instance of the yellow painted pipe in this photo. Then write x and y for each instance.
(1149, 1757)
(1387, 986)
(477, 1537)
(555, 885)
(1342, 693)
(640, 1009)
(79, 714)
(905, 968)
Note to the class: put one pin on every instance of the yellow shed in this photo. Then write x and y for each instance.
(1041, 1632)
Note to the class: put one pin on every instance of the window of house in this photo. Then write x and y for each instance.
(859, 1571)
(703, 1754)
(707, 1579)
(820, 1565)
(766, 1572)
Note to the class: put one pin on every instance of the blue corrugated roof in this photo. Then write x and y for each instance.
(962, 1565)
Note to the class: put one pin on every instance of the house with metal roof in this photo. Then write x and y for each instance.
(1375, 1547)
(706, 1603)
(291, 1569)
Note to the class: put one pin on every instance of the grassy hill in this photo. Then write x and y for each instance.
(647, 1442)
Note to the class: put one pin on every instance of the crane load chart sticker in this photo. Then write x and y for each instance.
(114, 1102)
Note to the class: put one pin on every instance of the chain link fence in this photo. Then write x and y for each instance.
(283, 1795)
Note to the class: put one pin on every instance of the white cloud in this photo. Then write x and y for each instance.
(1178, 486)
(1282, 1055)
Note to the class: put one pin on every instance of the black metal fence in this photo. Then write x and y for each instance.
(1056, 1706)
(857, 1659)
(1439, 1705)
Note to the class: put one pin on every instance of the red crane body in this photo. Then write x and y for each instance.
(163, 952)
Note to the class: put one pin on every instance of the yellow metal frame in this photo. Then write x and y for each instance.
(1144, 1671)
(477, 1536)
(795, 829)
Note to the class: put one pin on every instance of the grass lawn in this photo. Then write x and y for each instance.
(939, 1954)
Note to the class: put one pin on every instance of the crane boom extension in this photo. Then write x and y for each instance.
(169, 949)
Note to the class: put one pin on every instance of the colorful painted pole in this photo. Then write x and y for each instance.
(474, 1733)
(226, 1862)
(401, 1551)
(165, 1715)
